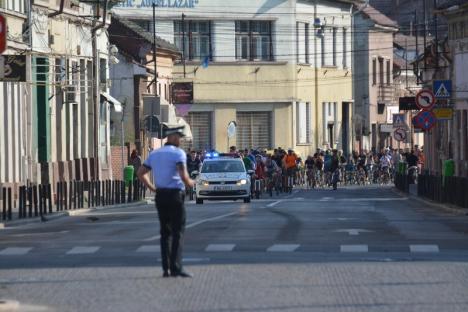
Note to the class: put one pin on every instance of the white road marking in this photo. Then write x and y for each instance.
(342, 219)
(424, 248)
(274, 203)
(192, 259)
(354, 248)
(156, 237)
(353, 232)
(283, 248)
(220, 247)
(81, 250)
(149, 248)
(39, 233)
(15, 251)
(377, 199)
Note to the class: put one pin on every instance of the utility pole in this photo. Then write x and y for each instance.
(155, 81)
(425, 34)
(183, 42)
(417, 45)
(436, 37)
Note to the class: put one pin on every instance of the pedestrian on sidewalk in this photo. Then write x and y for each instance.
(135, 161)
(169, 167)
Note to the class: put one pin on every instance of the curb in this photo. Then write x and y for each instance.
(69, 213)
(444, 207)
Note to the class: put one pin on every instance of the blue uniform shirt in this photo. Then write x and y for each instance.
(163, 162)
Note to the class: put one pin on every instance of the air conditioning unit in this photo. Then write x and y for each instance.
(164, 113)
(70, 94)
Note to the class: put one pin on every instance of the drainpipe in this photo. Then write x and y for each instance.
(60, 11)
(96, 85)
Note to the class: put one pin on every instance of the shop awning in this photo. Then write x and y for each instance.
(108, 98)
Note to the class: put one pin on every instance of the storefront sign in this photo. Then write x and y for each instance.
(184, 4)
(13, 68)
(182, 93)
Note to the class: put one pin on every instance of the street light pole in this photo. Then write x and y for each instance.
(155, 77)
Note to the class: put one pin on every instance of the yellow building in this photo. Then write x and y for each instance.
(280, 71)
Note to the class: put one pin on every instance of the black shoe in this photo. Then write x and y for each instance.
(166, 274)
(181, 274)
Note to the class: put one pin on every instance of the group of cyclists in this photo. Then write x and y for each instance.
(280, 170)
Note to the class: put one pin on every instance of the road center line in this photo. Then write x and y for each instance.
(274, 203)
(153, 238)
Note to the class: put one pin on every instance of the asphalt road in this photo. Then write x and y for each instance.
(356, 249)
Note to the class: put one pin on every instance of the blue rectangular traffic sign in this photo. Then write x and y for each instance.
(442, 89)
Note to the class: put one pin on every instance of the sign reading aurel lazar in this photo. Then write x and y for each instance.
(182, 93)
(188, 4)
(13, 68)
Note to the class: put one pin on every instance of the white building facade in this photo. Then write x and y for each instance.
(280, 69)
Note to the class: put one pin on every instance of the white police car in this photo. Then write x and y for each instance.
(222, 178)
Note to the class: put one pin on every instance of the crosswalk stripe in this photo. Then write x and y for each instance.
(148, 248)
(283, 248)
(220, 247)
(81, 250)
(15, 251)
(424, 248)
(354, 248)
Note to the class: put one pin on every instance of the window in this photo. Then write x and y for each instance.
(200, 125)
(13, 5)
(345, 48)
(196, 36)
(335, 30)
(302, 42)
(303, 123)
(254, 130)
(389, 77)
(374, 72)
(381, 71)
(254, 41)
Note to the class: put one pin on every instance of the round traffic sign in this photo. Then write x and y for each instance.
(425, 99)
(400, 134)
(232, 129)
(425, 120)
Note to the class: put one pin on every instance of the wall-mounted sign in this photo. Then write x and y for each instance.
(184, 4)
(13, 68)
(443, 113)
(3, 34)
(182, 93)
(408, 103)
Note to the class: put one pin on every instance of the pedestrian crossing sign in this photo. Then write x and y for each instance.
(399, 121)
(442, 89)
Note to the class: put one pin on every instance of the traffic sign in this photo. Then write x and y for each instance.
(3, 34)
(400, 134)
(232, 129)
(426, 120)
(442, 89)
(443, 113)
(425, 99)
(399, 121)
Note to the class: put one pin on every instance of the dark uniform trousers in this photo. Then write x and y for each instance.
(171, 212)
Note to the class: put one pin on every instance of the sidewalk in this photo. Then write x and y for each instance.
(74, 212)
(413, 194)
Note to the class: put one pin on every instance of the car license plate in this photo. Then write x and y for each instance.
(222, 188)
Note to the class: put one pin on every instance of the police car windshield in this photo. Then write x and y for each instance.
(222, 166)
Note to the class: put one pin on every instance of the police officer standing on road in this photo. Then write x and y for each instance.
(171, 177)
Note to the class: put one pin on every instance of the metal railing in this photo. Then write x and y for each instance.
(450, 190)
(29, 201)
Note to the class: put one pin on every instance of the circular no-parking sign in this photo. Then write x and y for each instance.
(426, 120)
(400, 134)
(425, 99)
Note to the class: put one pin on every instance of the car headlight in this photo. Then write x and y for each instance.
(242, 182)
(203, 182)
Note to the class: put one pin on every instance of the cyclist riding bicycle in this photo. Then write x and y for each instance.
(310, 166)
(290, 164)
